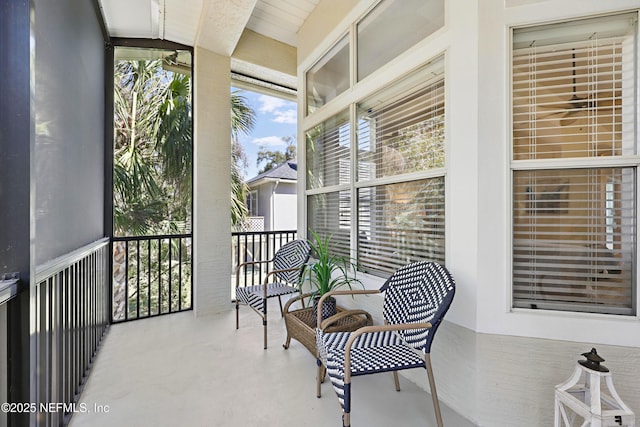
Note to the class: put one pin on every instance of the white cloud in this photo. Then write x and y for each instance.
(280, 110)
(269, 141)
(270, 104)
(285, 116)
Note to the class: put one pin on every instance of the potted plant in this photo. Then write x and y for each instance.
(327, 272)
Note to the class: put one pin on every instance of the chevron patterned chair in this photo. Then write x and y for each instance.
(282, 280)
(416, 298)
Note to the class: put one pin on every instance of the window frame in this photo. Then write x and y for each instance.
(409, 81)
(622, 161)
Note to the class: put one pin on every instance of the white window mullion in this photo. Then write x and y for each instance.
(352, 180)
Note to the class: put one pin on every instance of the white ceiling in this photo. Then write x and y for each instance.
(212, 24)
(216, 25)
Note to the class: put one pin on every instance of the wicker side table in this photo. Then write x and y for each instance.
(301, 323)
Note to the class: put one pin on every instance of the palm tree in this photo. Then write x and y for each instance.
(243, 120)
(153, 150)
(141, 90)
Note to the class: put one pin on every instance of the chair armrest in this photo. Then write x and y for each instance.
(290, 301)
(378, 328)
(245, 264)
(350, 292)
(345, 313)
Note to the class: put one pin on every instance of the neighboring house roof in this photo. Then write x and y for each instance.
(284, 171)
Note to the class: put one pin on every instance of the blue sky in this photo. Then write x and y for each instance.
(275, 118)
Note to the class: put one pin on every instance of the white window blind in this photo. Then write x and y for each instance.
(571, 94)
(405, 136)
(400, 134)
(574, 247)
(329, 214)
(328, 153)
(400, 223)
(574, 216)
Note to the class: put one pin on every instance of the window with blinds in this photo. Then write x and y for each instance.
(329, 152)
(400, 223)
(397, 195)
(328, 176)
(574, 165)
(403, 137)
(329, 214)
(400, 135)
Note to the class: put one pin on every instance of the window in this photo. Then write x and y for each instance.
(392, 27)
(574, 165)
(388, 30)
(400, 215)
(252, 203)
(398, 190)
(328, 177)
(329, 77)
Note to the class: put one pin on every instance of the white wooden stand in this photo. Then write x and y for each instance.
(584, 398)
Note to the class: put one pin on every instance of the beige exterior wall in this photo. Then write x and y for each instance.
(254, 48)
(325, 18)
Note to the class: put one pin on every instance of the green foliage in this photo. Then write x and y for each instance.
(152, 149)
(275, 158)
(243, 119)
(328, 272)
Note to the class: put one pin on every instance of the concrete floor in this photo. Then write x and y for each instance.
(179, 370)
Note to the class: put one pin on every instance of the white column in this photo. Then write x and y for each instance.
(212, 183)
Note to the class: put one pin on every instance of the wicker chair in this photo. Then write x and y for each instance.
(417, 296)
(287, 271)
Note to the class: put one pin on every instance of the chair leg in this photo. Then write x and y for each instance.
(264, 320)
(319, 378)
(287, 342)
(396, 380)
(264, 324)
(237, 316)
(281, 310)
(434, 393)
(346, 415)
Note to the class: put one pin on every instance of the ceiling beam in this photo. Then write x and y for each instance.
(221, 24)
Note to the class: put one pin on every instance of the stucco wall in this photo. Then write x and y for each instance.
(212, 204)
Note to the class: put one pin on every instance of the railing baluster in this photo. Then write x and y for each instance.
(257, 246)
(180, 274)
(159, 276)
(246, 249)
(138, 279)
(148, 277)
(126, 279)
(170, 274)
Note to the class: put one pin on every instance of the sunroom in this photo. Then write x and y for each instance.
(496, 137)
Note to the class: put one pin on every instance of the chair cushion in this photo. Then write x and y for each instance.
(253, 295)
(371, 353)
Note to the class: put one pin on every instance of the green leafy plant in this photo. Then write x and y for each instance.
(328, 272)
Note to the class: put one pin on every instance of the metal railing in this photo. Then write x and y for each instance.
(152, 275)
(72, 316)
(8, 290)
(255, 246)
